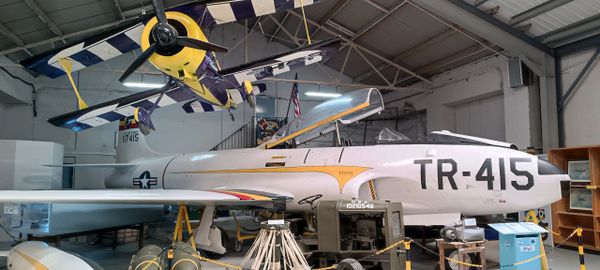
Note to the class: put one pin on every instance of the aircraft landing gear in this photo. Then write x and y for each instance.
(207, 236)
(349, 264)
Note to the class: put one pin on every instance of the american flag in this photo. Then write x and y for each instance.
(296, 98)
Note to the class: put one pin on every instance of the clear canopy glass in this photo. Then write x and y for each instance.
(346, 109)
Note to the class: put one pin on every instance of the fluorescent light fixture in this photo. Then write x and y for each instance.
(143, 85)
(323, 94)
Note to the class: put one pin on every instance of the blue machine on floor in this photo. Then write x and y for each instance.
(519, 242)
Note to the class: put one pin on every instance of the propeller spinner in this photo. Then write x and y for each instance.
(166, 36)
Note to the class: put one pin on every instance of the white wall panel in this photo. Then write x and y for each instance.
(475, 99)
(582, 121)
(482, 118)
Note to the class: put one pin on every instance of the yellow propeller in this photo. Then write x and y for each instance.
(68, 67)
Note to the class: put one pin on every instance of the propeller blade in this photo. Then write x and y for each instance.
(200, 45)
(159, 11)
(139, 61)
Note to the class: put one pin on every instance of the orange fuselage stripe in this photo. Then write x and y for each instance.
(342, 174)
(36, 265)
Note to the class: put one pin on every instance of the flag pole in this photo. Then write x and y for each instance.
(290, 100)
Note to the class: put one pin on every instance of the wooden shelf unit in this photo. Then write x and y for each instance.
(564, 219)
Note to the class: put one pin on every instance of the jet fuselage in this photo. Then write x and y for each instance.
(426, 178)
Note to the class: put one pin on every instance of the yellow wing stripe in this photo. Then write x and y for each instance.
(343, 174)
(36, 265)
(315, 125)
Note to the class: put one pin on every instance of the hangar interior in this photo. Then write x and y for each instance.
(516, 71)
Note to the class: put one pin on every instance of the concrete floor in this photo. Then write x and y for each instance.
(559, 259)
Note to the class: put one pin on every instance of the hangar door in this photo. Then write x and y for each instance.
(483, 118)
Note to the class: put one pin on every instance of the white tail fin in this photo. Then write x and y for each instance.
(131, 143)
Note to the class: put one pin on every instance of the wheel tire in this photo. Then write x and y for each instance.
(144, 128)
(471, 258)
(349, 264)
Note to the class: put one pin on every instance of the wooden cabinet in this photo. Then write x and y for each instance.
(565, 219)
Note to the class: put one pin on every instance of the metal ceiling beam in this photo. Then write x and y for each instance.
(279, 25)
(118, 8)
(45, 19)
(145, 9)
(584, 44)
(70, 35)
(14, 38)
(375, 22)
(446, 61)
(479, 2)
(341, 28)
(487, 27)
(358, 46)
(431, 41)
(377, 6)
(334, 11)
(354, 85)
(373, 67)
(571, 31)
(537, 10)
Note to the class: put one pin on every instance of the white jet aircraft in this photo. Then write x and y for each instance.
(437, 181)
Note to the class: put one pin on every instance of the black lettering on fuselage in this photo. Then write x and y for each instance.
(517, 172)
(423, 163)
(449, 174)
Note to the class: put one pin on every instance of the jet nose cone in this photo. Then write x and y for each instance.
(547, 168)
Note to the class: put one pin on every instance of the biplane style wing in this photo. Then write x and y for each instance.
(120, 108)
(111, 43)
(197, 106)
(143, 196)
(281, 63)
(124, 107)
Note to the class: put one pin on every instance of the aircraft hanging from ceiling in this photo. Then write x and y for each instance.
(436, 181)
(174, 41)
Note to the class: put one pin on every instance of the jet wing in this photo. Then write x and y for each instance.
(346, 109)
(142, 196)
(110, 43)
(281, 63)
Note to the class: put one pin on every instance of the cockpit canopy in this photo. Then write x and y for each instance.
(346, 109)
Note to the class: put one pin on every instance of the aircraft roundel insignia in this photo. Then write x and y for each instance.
(145, 181)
